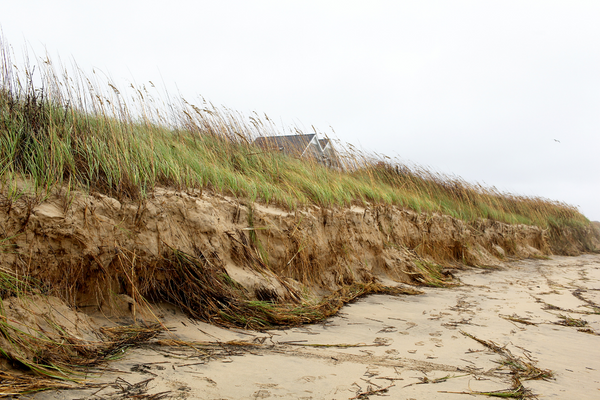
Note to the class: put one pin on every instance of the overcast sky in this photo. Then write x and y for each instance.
(504, 93)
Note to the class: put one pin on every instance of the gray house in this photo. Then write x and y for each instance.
(302, 146)
(330, 156)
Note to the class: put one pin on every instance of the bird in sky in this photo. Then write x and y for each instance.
(558, 141)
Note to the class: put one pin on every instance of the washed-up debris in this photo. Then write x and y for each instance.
(370, 391)
(126, 390)
(565, 320)
(515, 318)
(520, 370)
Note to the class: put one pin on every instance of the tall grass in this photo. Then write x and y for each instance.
(61, 128)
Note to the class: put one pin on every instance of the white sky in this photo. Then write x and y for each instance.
(479, 89)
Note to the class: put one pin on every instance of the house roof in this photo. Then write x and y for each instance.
(291, 144)
(323, 143)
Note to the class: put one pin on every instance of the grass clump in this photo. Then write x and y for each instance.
(565, 320)
(431, 274)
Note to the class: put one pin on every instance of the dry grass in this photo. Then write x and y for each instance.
(515, 318)
(17, 383)
(204, 290)
(566, 320)
(520, 370)
(43, 353)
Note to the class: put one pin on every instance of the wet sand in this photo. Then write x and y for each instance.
(407, 347)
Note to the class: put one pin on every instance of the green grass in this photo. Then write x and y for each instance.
(78, 134)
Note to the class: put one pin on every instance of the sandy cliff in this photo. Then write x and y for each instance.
(96, 251)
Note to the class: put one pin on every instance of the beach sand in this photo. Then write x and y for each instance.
(406, 347)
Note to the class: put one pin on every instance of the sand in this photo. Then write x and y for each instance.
(406, 347)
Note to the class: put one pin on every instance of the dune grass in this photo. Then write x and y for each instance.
(59, 130)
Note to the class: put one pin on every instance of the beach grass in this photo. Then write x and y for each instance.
(73, 132)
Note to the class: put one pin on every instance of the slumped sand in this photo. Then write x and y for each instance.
(542, 316)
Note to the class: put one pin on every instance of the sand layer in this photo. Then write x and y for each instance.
(406, 347)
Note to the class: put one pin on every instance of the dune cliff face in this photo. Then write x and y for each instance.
(94, 250)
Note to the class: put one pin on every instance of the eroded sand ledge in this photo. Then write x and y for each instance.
(93, 249)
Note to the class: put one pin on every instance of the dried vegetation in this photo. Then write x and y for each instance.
(520, 369)
(41, 336)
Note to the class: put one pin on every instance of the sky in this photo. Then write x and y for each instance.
(503, 93)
